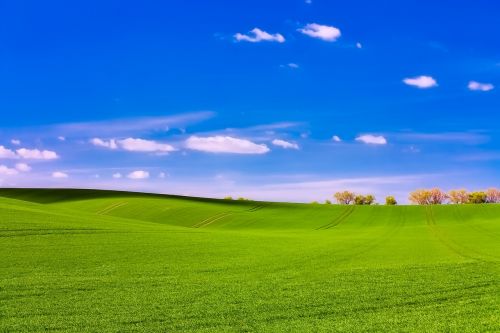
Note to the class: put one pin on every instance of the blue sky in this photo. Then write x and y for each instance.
(278, 100)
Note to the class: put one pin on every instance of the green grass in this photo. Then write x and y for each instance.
(102, 261)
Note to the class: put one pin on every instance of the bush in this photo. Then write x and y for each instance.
(390, 201)
(478, 197)
(228, 198)
(369, 199)
(364, 200)
(359, 200)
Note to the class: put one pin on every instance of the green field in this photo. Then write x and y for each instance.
(98, 261)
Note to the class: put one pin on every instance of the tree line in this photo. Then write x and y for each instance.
(433, 196)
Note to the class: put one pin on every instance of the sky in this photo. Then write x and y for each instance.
(271, 100)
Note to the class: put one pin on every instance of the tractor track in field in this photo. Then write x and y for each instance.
(255, 208)
(219, 216)
(368, 246)
(212, 219)
(111, 207)
(364, 247)
(339, 219)
(460, 250)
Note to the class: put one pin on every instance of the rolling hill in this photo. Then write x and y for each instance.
(88, 260)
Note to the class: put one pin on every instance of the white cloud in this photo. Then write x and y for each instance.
(142, 145)
(162, 175)
(359, 45)
(15, 142)
(117, 175)
(139, 174)
(324, 32)
(256, 35)
(285, 144)
(478, 86)
(61, 138)
(6, 171)
(23, 167)
(133, 144)
(421, 82)
(7, 153)
(59, 175)
(111, 144)
(35, 154)
(336, 138)
(372, 139)
(225, 144)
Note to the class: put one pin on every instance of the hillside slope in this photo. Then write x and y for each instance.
(83, 260)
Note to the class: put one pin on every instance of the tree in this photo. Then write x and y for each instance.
(428, 197)
(437, 197)
(458, 196)
(420, 197)
(369, 199)
(228, 198)
(359, 200)
(328, 202)
(493, 195)
(344, 198)
(477, 197)
(390, 201)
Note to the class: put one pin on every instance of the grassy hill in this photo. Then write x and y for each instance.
(105, 261)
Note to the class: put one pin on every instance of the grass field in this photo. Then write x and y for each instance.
(97, 261)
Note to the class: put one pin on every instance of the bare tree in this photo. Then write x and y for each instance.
(345, 197)
(428, 197)
(458, 196)
(493, 195)
(437, 197)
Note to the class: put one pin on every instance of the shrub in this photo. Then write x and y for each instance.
(364, 200)
(359, 200)
(458, 196)
(390, 201)
(478, 197)
(369, 199)
(344, 198)
(228, 198)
